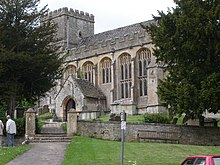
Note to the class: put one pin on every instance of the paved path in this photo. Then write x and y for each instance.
(42, 154)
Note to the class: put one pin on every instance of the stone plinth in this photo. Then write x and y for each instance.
(71, 122)
(30, 125)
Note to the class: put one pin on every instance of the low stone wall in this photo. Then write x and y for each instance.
(111, 130)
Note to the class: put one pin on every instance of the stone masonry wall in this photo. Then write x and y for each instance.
(72, 25)
(111, 130)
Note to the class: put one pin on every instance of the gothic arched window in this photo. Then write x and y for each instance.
(88, 71)
(70, 70)
(143, 60)
(105, 69)
(125, 75)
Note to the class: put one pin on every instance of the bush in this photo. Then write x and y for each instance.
(157, 118)
(3, 111)
(64, 126)
(42, 120)
(20, 126)
(45, 116)
(39, 124)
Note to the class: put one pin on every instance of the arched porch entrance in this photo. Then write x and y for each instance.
(69, 103)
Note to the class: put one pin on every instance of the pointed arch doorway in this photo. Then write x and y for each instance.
(70, 104)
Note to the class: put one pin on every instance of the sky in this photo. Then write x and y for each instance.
(113, 14)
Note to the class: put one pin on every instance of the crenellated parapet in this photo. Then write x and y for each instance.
(109, 45)
(69, 12)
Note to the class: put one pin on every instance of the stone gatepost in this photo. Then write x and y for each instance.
(71, 122)
(30, 125)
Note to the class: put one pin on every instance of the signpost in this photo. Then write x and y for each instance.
(123, 127)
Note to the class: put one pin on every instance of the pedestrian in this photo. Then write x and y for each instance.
(1, 132)
(11, 131)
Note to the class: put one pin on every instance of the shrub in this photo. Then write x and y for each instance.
(41, 120)
(3, 111)
(20, 126)
(157, 118)
(45, 116)
(39, 124)
(64, 126)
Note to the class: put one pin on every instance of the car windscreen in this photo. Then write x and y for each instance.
(216, 161)
(200, 161)
(189, 161)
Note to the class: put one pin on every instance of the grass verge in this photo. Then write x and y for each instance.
(129, 118)
(9, 153)
(87, 151)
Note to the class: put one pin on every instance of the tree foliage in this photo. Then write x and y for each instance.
(29, 62)
(187, 42)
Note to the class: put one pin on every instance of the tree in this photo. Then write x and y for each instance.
(187, 42)
(29, 62)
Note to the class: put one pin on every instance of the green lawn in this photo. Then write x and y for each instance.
(140, 119)
(136, 119)
(9, 153)
(129, 118)
(90, 151)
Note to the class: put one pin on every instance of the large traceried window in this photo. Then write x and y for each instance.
(143, 60)
(70, 70)
(125, 75)
(106, 74)
(88, 71)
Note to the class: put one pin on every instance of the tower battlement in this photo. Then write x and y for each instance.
(69, 12)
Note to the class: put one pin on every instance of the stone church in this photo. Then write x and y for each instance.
(110, 71)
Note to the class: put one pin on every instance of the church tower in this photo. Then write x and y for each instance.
(72, 25)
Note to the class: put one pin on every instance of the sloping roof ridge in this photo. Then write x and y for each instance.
(88, 89)
(66, 80)
(113, 34)
(131, 25)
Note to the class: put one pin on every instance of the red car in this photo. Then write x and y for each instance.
(202, 160)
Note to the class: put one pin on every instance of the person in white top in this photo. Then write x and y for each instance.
(11, 130)
(1, 132)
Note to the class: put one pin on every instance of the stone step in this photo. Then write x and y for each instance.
(51, 135)
(45, 138)
(48, 140)
(50, 132)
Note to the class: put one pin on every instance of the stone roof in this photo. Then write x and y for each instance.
(88, 89)
(113, 34)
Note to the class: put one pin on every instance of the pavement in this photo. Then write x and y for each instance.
(51, 153)
(42, 154)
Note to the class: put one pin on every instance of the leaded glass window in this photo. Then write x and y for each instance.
(125, 75)
(88, 71)
(106, 70)
(144, 60)
(70, 70)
